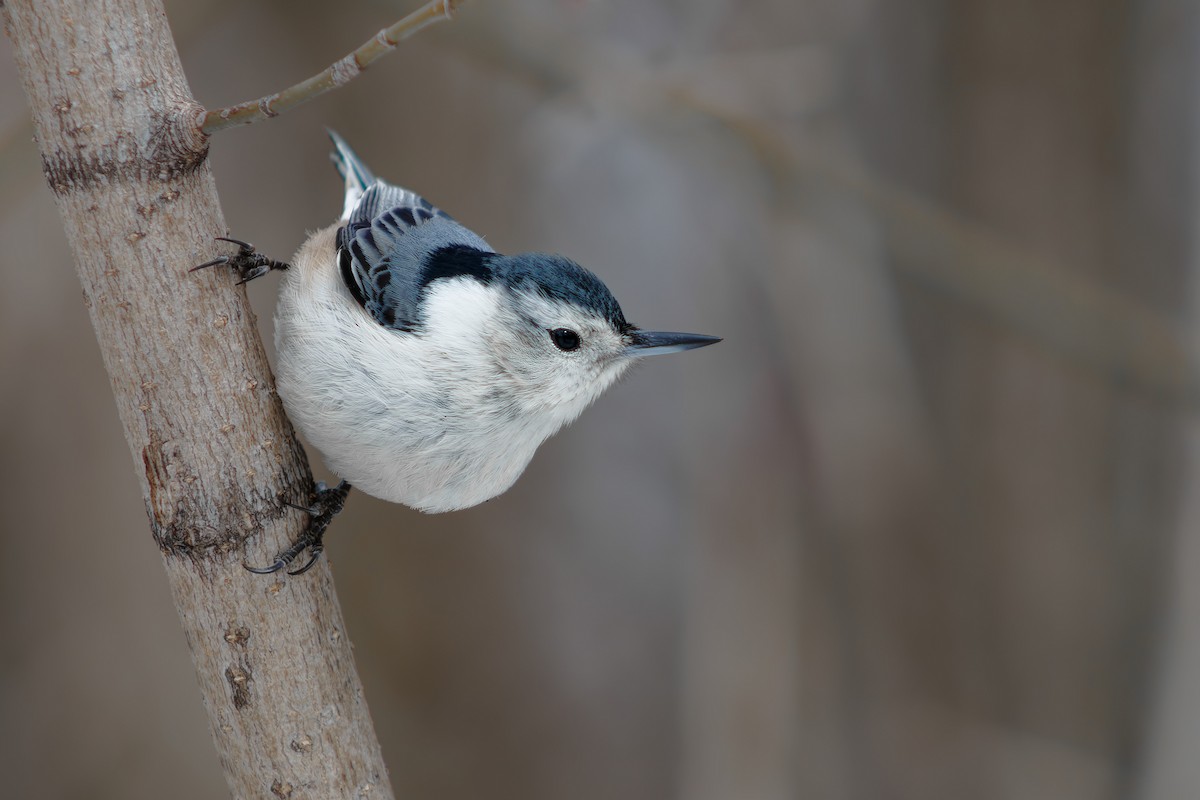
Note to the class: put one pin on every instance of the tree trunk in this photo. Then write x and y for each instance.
(121, 150)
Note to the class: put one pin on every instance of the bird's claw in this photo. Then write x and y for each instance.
(247, 262)
(325, 506)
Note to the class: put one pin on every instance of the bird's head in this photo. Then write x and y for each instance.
(561, 336)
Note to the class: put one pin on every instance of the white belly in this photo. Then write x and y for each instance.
(388, 411)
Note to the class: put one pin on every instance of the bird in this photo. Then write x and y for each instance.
(426, 367)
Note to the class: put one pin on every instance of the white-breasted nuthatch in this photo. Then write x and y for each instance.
(426, 367)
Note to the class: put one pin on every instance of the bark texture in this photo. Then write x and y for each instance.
(116, 126)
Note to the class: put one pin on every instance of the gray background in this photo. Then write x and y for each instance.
(923, 526)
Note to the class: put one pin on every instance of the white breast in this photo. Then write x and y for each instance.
(398, 415)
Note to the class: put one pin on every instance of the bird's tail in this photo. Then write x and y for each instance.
(356, 174)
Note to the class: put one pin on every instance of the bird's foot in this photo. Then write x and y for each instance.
(247, 262)
(325, 506)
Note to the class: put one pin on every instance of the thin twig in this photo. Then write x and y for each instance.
(333, 76)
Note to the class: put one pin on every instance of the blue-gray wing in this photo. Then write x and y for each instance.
(391, 247)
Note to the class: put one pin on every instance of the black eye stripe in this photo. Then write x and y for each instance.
(564, 339)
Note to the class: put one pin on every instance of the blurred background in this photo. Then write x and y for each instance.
(924, 526)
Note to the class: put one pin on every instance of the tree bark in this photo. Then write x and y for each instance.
(122, 152)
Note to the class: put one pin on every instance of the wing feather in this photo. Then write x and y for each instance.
(394, 242)
(385, 248)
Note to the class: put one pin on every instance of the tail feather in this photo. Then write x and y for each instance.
(357, 175)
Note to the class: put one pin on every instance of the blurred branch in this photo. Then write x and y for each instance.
(214, 452)
(1059, 309)
(337, 74)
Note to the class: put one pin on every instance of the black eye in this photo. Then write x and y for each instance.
(565, 339)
